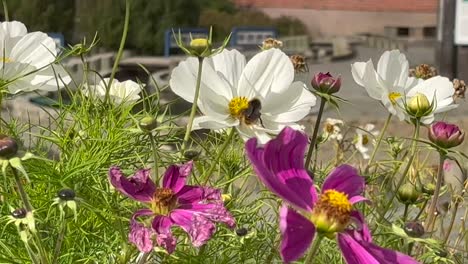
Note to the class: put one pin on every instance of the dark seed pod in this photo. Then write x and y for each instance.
(8, 146)
(19, 213)
(414, 229)
(191, 154)
(242, 231)
(66, 194)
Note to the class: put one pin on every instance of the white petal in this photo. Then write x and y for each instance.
(393, 68)
(290, 106)
(184, 78)
(437, 86)
(365, 75)
(268, 71)
(214, 105)
(51, 78)
(230, 64)
(427, 120)
(247, 132)
(396, 109)
(209, 122)
(14, 29)
(35, 48)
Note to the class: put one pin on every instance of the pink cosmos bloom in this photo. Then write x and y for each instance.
(280, 166)
(193, 208)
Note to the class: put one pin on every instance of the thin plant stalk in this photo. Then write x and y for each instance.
(155, 158)
(377, 145)
(405, 172)
(193, 111)
(423, 207)
(121, 48)
(22, 193)
(5, 11)
(432, 208)
(315, 133)
(313, 250)
(144, 258)
(405, 213)
(218, 157)
(61, 236)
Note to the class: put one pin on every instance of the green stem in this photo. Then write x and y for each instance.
(405, 172)
(22, 193)
(432, 208)
(452, 220)
(314, 136)
(377, 145)
(313, 250)
(405, 213)
(58, 244)
(155, 158)
(221, 152)
(193, 111)
(5, 10)
(143, 258)
(421, 211)
(121, 48)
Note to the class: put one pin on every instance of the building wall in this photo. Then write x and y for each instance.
(347, 17)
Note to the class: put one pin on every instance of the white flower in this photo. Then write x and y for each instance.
(365, 139)
(119, 92)
(389, 83)
(332, 129)
(25, 60)
(439, 93)
(258, 98)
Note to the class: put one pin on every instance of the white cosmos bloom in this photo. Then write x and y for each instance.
(119, 92)
(332, 129)
(259, 98)
(439, 92)
(25, 60)
(365, 138)
(389, 83)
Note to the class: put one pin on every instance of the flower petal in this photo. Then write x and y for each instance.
(393, 68)
(176, 176)
(268, 71)
(365, 75)
(140, 235)
(14, 29)
(36, 49)
(297, 234)
(139, 187)
(197, 226)
(280, 166)
(215, 212)
(209, 122)
(230, 64)
(346, 179)
(195, 194)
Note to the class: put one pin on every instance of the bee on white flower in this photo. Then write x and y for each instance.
(365, 139)
(26, 60)
(258, 98)
(332, 129)
(119, 93)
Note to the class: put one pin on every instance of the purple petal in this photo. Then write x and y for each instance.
(280, 166)
(346, 179)
(162, 225)
(138, 187)
(357, 251)
(362, 228)
(140, 235)
(297, 234)
(215, 212)
(198, 227)
(194, 194)
(176, 176)
(358, 198)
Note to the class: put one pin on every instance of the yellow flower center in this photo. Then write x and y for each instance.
(331, 213)
(329, 128)
(237, 106)
(394, 96)
(163, 201)
(365, 140)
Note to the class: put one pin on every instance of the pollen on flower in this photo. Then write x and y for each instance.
(394, 96)
(331, 213)
(6, 60)
(365, 140)
(237, 106)
(329, 128)
(163, 201)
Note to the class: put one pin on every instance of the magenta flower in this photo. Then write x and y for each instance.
(446, 135)
(280, 166)
(193, 208)
(326, 83)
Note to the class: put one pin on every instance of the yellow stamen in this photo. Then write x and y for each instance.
(394, 96)
(163, 201)
(329, 128)
(331, 213)
(365, 140)
(237, 105)
(6, 59)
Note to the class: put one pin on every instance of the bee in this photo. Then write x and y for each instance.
(299, 63)
(252, 113)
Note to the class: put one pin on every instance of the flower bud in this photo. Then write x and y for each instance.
(428, 188)
(325, 83)
(66, 194)
(407, 194)
(414, 229)
(242, 231)
(419, 106)
(148, 123)
(226, 198)
(191, 154)
(199, 46)
(271, 43)
(446, 135)
(19, 213)
(8, 146)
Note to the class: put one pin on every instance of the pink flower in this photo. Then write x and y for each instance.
(193, 208)
(326, 83)
(446, 135)
(280, 166)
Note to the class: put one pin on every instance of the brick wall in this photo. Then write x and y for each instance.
(418, 6)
